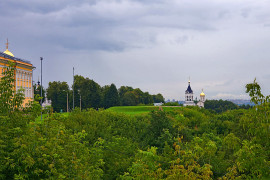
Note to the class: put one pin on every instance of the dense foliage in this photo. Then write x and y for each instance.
(89, 94)
(9, 100)
(184, 143)
(219, 106)
(57, 93)
(37, 92)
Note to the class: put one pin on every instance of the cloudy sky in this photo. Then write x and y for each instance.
(155, 45)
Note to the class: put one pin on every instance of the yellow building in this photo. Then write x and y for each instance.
(23, 74)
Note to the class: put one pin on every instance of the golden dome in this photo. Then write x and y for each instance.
(202, 94)
(8, 53)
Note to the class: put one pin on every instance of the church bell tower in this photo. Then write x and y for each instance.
(189, 96)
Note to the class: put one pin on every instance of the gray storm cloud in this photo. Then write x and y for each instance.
(153, 45)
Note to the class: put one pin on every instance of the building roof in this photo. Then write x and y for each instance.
(189, 90)
(8, 53)
(4, 55)
(202, 94)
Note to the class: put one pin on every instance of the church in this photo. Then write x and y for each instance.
(189, 97)
(23, 74)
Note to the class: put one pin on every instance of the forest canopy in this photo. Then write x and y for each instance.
(89, 94)
(185, 143)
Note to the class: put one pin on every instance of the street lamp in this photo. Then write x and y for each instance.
(41, 58)
(73, 88)
(67, 101)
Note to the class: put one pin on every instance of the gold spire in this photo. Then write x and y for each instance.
(202, 94)
(7, 51)
(7, 44)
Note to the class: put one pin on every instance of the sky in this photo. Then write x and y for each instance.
(154, 45)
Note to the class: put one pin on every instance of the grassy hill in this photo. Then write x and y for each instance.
(133, 110)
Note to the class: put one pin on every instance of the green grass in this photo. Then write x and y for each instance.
(133, 110)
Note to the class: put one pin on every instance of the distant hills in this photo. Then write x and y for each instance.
(241, 101)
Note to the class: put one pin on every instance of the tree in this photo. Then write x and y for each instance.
(123, 89)
(252, 158)
(158, 98)
(219, 105)
(77, 87)
(252, 161)
(13, 120)
(37, 93)
(118, 156)
(50, 151)
(10, 100)
(95, 94)
(111, 97)
(90, 92)
(104, 91)
(160, 128)
(57, 92)
(145, 166)
(147, 98)
(185, 165)
(139, 96)
(129, 99)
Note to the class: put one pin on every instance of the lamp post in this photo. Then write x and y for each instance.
(67, 101)
(41, 58)
(73, 88)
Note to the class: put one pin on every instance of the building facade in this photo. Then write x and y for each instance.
(23, 74)
(202, 99)
(189, 96)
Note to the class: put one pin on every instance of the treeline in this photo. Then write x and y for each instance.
(219, 106)
(185, 143)
(89, 94)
